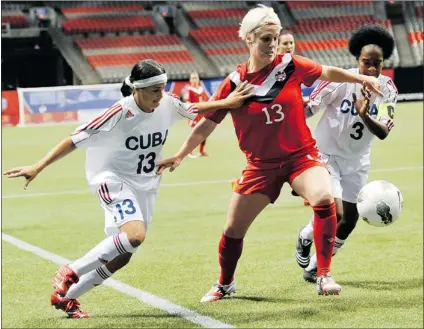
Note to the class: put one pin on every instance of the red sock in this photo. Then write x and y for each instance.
(229, 253)
(325, 226)
(202, 146)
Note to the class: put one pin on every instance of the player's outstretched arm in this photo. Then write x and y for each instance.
(199, 133)
(335, 74)
(234, 100)
(30, 172)
(362, 106)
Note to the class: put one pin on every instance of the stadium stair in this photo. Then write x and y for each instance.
(323, 29)
(405, 51)
(111, 49)
(74, 58)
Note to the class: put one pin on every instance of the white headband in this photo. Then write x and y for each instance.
(147, 82)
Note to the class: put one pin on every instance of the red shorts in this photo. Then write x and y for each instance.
(269, 181)
(194, 122)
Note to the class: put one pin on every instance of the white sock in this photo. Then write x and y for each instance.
(337, 245)
(312, 264)
(307, 232)
(104, 252)
(88, 281)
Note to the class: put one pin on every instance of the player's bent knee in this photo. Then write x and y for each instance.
(137, 239)
(323, 198)
(135, 231)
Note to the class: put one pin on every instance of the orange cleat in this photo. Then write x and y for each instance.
(306, 202)
(69, 306)
(63, 279)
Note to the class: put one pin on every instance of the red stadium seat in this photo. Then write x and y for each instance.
(105, 24)
(130, 59)
(217, 13)
(97, 9)
(127, 41)
(18, 21)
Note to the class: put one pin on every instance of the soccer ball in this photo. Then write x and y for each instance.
(379, 203)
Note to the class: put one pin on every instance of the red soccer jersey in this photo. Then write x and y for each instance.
(271, 126)
(196, 95)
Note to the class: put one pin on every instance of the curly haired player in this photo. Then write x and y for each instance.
(345, 132)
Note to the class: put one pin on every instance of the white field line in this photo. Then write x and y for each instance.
(143, 296)
(219, 181)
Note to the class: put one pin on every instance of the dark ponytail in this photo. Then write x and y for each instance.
(145, 69)
(125, 89)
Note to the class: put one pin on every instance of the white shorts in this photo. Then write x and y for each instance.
(348, 176)
(122, 203)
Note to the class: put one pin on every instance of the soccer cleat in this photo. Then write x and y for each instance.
(310, 276)
(69, 306)
(306, 202)
(303, 250)
(234, 183)
(193, 156)
(63, 279)
(326, 285)
(218, 291)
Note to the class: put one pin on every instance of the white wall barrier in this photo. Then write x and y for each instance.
(78, 104)
(69, 104)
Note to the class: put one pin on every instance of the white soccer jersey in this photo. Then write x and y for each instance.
(128, 142)
(340, 130)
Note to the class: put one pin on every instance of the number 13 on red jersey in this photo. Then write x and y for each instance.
(278, 110)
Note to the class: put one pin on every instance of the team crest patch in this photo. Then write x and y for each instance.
(280, 75)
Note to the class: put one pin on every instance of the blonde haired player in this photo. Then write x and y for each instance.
(272, 133)
(286, 44)
(122, 146)
(345, 132)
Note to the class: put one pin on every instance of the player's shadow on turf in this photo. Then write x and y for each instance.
(261, 299)
(135, 315)
(384, 285)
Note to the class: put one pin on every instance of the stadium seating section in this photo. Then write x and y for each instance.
(414, 25)
(114, 56)
(15, 18)
(217, 33)
(114, 35)
(325, 38)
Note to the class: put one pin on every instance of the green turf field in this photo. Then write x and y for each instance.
(380, 269)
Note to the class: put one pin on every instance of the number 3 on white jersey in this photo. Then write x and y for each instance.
(279, 111)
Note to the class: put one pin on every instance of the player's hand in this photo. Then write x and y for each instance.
(373, 85)
(29, 172)
(362, 105)
(171, 163)
(239, 95)
(305, 101)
